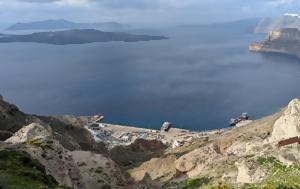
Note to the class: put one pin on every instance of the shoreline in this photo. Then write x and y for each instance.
(122, 135)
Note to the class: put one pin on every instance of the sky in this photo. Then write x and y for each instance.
(143, 12)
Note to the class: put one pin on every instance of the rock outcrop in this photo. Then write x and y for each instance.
(34, 131)
(284, 41)
(197, 161)
(288, 125)
(75, 169)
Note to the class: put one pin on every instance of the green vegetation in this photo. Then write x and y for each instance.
(204, 183)
(196, 183)
(280, 176)
(271, 163)
(19, 171)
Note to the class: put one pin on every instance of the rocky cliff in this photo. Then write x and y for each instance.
(285, 41)
(242, 157)
(49, 152)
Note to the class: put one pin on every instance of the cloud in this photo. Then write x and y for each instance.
(144, 12)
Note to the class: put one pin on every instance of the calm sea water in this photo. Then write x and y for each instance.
(197, 79)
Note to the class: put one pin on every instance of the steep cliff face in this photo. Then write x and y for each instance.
(285, 41)
(287, 35)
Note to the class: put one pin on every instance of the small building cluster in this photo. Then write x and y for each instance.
(102, 132)
(114, 135)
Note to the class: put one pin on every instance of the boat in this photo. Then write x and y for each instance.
(235, 121)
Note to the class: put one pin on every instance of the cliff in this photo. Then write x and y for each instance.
(61, 152)
(284, 41)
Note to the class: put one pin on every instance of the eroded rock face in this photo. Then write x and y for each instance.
(197, 161)
(243, 173)
(156, 168)
(75, 169)
(249, 174)
(288, 125)
(30, 132)
(97, 170)
(283, 41)
(286, 35)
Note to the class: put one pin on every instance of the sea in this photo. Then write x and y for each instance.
(197, 79)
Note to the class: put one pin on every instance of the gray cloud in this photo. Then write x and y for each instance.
(144, 12)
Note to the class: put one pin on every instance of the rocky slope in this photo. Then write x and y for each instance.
(243, 157)
(284, 41)
(266, 25)
(64, 154)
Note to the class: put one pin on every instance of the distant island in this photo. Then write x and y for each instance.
(65, 24)
(283, 41)
(78, 36)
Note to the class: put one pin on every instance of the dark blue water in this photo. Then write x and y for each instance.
(197, 80)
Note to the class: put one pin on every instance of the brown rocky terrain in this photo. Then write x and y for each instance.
(65, 155)
(68, 151)
(230, 157)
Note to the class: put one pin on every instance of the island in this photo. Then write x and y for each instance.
(283, 41)
(65, 24)
(77, 36)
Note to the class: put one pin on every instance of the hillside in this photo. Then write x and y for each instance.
(65, 24)
(77, 37)
(283, 41)
(238, 26)
(64, 153)
(266, 25)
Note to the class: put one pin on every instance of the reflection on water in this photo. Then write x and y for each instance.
(197, 81)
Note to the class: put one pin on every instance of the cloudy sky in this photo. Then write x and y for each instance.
(143, 12)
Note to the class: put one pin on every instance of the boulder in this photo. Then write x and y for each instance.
(30, 132)
(288, 125)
